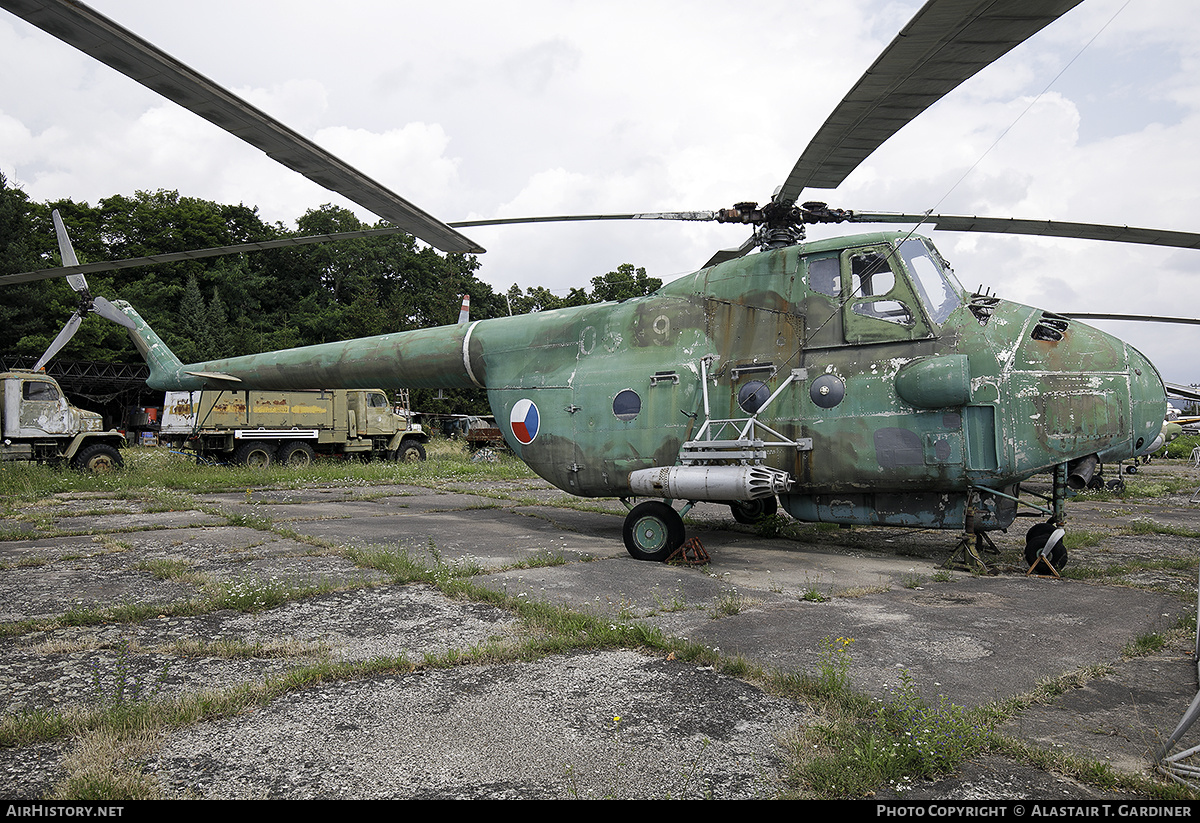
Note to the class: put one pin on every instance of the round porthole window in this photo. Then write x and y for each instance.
(752, 395)
(627, 404)
(827, 391)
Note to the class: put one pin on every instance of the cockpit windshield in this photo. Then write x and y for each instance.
(934, 281)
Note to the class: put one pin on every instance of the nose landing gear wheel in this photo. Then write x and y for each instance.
(1037, 552)
(652, 531)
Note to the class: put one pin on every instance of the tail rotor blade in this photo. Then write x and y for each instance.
(63, 336)
(104, 307)
(67, 251)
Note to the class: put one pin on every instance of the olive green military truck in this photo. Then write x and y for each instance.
(258, 428)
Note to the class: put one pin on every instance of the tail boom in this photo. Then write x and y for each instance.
(439, 357)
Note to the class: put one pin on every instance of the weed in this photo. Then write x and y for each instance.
(614, 792)
(834, 669)
(929, 740)
(1144, 525)
(728, 604)
(122, 687)
(166, 569)
(812, 593)
(1146, 644)
(865, 744)
(542, 559)
(675, 604)
(404, 567)
(771, 525)
(254, 594)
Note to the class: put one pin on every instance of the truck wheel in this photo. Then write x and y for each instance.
(296, 453)
(410, 451)
(256, 455)
(98, 458)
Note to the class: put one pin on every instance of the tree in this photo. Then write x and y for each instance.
(19, 252)
(218, 326)
(624, 283)
(193, 325)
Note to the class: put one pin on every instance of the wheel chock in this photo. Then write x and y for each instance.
(691, 553)
(1047, 568)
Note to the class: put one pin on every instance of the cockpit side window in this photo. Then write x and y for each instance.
(870, 275)
(880, 303)
(825, 276)
(932, 278)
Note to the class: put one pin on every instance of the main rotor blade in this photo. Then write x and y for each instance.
(573, 218)
(1136, 318)
(68, 331)
(1038, 228)
(1183, 391)
(947, 42)
(193, 254)
(284, 242)
(733, 254)
(96, 35)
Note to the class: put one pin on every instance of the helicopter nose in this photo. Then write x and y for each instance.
(1091, 394)
(1147, 400)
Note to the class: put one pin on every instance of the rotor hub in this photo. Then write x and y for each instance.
(781, 224)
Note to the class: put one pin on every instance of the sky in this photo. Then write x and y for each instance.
(481, 109)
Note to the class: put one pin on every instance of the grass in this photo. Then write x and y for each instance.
(127, 713)
(858, 747)
(861, 746)
(159, 475)
(112, 736)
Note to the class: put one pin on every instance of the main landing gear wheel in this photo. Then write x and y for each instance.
(751, 511)
(1036, 539)
(653, 531)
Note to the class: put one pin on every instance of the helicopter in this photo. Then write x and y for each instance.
(850, 380)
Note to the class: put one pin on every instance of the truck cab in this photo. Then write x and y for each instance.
(39, 425)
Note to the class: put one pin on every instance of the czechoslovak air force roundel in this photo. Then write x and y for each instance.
(524, 421)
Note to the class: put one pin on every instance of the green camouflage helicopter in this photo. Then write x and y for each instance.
(850, 381)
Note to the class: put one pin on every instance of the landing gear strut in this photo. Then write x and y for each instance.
(1045, 552)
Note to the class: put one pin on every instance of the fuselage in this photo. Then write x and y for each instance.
(888, 392)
